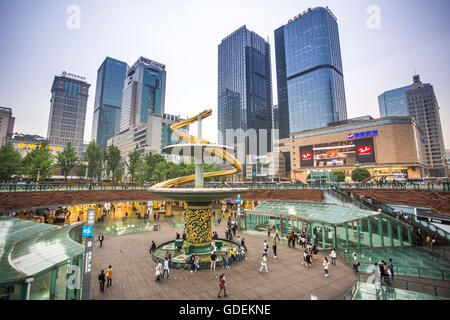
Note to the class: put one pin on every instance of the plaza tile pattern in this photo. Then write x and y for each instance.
(134, 272)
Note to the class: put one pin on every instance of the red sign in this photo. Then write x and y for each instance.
(307, 156)
(365, 150)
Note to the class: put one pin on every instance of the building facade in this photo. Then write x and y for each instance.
(68, 111)
(143, 94)
(245, 93)
(419, 101)
(263, 168)
(310, 79)
(390, 148)
(108, 100)
(25, 143)
(6, 125)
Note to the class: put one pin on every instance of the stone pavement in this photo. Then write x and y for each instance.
(134, 272)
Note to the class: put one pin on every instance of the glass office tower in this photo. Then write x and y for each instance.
(245, 90)
(108, 100)
(393, 102)
(68, 111)
(143, 94)
(309, 72)
(419, 101)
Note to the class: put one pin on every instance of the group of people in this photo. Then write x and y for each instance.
(383, 271)
(161, 270)
(102, 278)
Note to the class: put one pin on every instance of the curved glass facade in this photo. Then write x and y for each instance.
(108, 100)
(309, 72)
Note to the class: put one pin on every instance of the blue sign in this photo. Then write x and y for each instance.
(87, 231)
(365, 134)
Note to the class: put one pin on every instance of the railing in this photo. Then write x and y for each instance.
(411, 285)
(314, 186)
(412, 271)
(67, 187)
(376, 205)
(352, 291)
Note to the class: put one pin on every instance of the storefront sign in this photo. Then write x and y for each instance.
(306, 156)
(87, 231)
(365, 150)
(364, 134)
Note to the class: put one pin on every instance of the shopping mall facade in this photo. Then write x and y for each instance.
(391, 147)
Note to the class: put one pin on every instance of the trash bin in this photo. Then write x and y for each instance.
(218, 244)
(155, 227)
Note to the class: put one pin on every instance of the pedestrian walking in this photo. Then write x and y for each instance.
(109, 277)
(274, 247)
(158, 272)
(391, 268)
(325, 266)
(355, 263)
(100, 239)
(153, 248)
(222, 286)
(101, 280)
(264, 262)
(315, 251)
(196, 263)
(333, 256)
(166, 267)
(213, 261)
(268, 230)
(266, 247)
(276, 235)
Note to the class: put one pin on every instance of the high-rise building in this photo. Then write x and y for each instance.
(419, 101)
(68, 111)
(108, 100)
(6, 125)
(309, 72)
(144, 93)
(144, 126)
(245, 93)
(423, 106)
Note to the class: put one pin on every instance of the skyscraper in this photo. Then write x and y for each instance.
(245, 92)
(309, 72)
(419, 101)
(144, 126)
(68, 110)
(423, 106)
(144, 92)
(108, 100)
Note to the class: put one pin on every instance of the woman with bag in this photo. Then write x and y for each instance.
(264, 262)
(222, 286)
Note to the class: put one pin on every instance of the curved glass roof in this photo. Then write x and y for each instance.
(29, 248)
(310, 211)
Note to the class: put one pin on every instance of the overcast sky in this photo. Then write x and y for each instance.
(40, 39)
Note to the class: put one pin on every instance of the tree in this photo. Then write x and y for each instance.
(67, 159)
(359, 174)
(113, 163)
(134, 164)
(38, 162)
(10, 162)
(80, 169)
(340, 175)
(150, 161)
(94, 158)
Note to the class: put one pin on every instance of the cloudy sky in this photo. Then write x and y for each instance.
(39, 39)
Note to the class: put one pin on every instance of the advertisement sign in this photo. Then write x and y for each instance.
(306, 156)
(361, 135)
(87, 231)
(365, 150)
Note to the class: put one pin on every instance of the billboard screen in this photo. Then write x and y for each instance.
(365, 151)
(306, 156)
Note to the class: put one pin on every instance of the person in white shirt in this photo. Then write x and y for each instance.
(264, 263)
(158, 272)
(333, 257)
(166, 268)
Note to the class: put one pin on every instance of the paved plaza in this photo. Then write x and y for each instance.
(134, 272)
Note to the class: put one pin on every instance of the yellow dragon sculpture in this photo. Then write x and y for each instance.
(218, 152)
